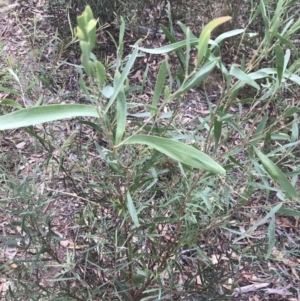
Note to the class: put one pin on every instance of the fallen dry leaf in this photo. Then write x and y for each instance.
(64, 243)
(279, 291)
(10, 253)
(198, 280)
(283, 222)
(77, 247)
(20, 145)
(138, 75)
(249, 288)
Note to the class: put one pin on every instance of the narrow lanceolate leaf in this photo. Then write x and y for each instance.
(159, 82)
(295, 129)
(283, 40)
(100, 72)
(260, 128)
(42, 114)
(172, 39)
(188, 50)
(132, 210)
(205, 35)
(217, 132)
(169, 48)
(179, 151)
(289, 212)
(290, 111)
(286, 59)
(85, 56)
(266, 19)
(276, 174)
(197, 78)
(228, 34)
(272, 213)
(122, 31)
(279, 62)
(91, 31)
(12, 103)
(121, 116)
(119, 85)
(243, 77)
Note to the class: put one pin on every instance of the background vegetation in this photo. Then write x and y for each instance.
(151, 155)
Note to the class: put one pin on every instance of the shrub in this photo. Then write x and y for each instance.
(163, 202)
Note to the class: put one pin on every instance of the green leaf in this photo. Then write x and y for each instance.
(180, 152)
(286, 59)
(217, 132)
(91, 68)
(260, 222)
(86, 30)
(184, 29)
(151, 109)
(279, 62)
(80, 34)
(12, 103)
(280, 136)
(266, 20)
(159, 82)
(166, 93)
(180, 77)
(107, 91)
(290, 111)
(205, 197)
(197, 78)
(100, 72)
(205, 35)
(84, 88)
(243, 77)
(235, 161)
(85, 56)
(267, 138)
(221, 66)
(144, 80)
(122, 31)
(172, 39)
(235, 126)
(93, 125)
(276, 174)
(286, 27)
(293, 77)
(119, 85)
(91, 25)
(91, 31)
(121, 116)
(132, 210)
(188, 50)
(169, 48)
(295, 27)
(295, 129)
(289, 212)
(42, 114)
(228, 34)
(3, 89)
(260, 128)
(88, 14)
(12, 72)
